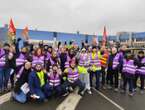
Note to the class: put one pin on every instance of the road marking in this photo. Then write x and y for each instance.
(70, 102)
(111, 101)
(5, 98)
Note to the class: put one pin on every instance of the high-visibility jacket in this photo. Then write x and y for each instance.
(72, 74)
(20, 60)
(38, 60)
(95, 63)
(129, 67)
(83, 63)
(54, 79)
(141, 70)
(104, 59)
(41, 78)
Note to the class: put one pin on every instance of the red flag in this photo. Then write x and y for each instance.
(104, 40)
(11, 29)
(25, 33)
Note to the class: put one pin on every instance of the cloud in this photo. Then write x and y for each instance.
(87, 16)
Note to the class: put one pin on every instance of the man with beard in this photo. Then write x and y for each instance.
(37, 81)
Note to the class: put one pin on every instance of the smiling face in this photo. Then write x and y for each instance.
(54, 68)
(72, 64)
(27, 65)
(39, 52)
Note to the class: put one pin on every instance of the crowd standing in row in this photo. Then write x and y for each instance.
(38, 73)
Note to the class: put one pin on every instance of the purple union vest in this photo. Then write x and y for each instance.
(129, 67)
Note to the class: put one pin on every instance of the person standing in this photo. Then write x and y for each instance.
(129, 70)
(95, 67)
(83, 69)
(140, 73)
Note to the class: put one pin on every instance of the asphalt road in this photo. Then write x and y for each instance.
(98, 102)
(50, 105)
(88, 102)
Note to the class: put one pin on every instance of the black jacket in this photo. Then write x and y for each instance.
(23, 79)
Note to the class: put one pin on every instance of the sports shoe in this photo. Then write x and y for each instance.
(109, 87)
(116, 90)
(142, 92)
(65, 94)
(131, 94)
(70, 89)
(89, 92)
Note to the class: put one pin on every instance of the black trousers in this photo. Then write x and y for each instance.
(142, 77)
(103, 75)
(113, 78)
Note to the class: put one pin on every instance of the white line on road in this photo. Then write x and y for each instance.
(70, 102)
(4, 98)
(111, 101)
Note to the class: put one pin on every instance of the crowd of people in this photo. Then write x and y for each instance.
(37, 73)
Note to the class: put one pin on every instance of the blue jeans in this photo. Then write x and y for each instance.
(40, 93)
(21, 97)
(77, 83)
(6, 76)
(1, 79)
(50, 90)
(128, 79)
(97, 75)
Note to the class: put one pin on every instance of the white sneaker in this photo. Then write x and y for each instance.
(109, 87)
(135, 89)
(34, 96)
(142, 92)
(131, 94)
(65, 94)
(103, 87)
(82, 93)
(89, 92)
(71, 89)
(116, 90)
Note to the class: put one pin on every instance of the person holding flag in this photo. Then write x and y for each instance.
(103, 56)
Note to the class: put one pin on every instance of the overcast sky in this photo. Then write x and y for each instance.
(87, 16)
